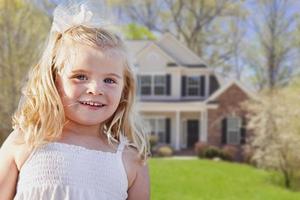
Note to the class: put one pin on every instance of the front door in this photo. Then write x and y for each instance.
(192, 132)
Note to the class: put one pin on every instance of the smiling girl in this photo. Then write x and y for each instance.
(76, 134)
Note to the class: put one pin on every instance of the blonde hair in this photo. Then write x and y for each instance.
(40, 116)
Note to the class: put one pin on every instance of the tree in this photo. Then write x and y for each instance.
(203, 25)
(272, 57)
(276, 128)
(23, 29)
(136, 32)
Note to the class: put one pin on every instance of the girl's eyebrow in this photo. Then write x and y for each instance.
(85, 71)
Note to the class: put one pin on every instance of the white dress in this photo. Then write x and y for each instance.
(59, 171)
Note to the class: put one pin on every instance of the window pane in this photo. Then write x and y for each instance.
(193, 80)
(161, 80)
(145, 90)
(159, 90)
(193, 91)
(146, 80)
(162, 137)
(233, 123)
(233, 137)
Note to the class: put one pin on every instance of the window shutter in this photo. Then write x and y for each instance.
(138, 91)
(224, 131)
(168, 131)
(213, 84)
(168, 82)
(183, 86)
(243, 130)
(202, 85)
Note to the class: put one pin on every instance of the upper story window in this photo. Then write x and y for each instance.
(154, 85)
(159, 85)
(193, 86)
(145, 85)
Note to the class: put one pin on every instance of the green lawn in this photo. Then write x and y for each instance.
(173, 179)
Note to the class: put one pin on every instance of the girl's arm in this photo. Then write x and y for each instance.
(138, 176)
(140, 188)
(8, 169)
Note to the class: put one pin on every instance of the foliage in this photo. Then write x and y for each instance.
(274, 120)
(207, 180)
(22, 30)
(271, 53)
(200, 148)
(164, 151)
(230, 152)
(134, 31)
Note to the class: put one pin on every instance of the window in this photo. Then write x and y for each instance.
(158, 128)
(159, 85)
(193, 86)
(233, 130)
(153, 85)
(145, 85)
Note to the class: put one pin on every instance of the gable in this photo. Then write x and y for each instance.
(152, 58)
(179, 51)
(227, 88)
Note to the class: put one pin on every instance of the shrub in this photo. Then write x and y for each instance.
(199, 148)
(230, 152)
(212, 152)
(164, 151)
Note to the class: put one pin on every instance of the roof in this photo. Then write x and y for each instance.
(178, 52)
(220, 91)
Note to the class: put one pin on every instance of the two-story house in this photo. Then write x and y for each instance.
(182, 98)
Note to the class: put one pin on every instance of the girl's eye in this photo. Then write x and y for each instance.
(109, 80)
(81, 77)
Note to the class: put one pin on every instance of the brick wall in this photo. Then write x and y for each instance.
(229, 103)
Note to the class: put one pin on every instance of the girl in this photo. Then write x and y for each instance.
(75, 132)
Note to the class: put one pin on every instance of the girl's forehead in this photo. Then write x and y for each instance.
(83, 56)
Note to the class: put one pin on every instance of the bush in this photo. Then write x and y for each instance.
(199, 148)
(230, 152)
(213, 152)
(164, 151)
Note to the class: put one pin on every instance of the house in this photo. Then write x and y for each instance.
(182, 99)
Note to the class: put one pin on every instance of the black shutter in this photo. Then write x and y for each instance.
(213, 84)
(243, 130)
(224, 131)
(138, 91)
(183, 86)
(168, 131)
(168, 82)
(202, 85)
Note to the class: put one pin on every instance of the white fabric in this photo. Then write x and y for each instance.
(90, 13)
(59, 171)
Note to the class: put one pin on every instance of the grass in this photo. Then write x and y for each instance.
(173, 179)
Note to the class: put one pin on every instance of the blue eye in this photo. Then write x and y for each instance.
(81, 77)
(109, 80)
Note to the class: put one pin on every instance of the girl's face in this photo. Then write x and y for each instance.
(91, 88)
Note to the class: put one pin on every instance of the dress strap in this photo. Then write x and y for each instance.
(122, 143)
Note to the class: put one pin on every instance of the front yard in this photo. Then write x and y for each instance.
(175, 179)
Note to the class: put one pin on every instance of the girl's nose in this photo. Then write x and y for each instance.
(95, 88)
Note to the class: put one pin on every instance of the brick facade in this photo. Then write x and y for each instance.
(229, 104)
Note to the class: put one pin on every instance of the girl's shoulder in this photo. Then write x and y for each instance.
(15, 149)
(133, 163)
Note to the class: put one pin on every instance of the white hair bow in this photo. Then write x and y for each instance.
(73, 14)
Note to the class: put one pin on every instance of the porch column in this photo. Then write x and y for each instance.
(203, 135)
(177, 130)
